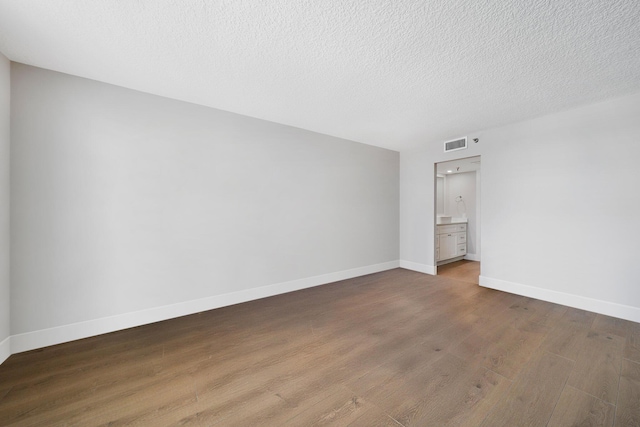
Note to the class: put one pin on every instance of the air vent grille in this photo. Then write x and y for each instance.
(456, 144)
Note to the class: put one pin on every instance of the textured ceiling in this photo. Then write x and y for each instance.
(396, 74)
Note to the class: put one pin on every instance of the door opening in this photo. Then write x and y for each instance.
(457, 218)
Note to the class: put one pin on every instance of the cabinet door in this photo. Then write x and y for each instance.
(462, 237)
(462, 249)
(448, 245)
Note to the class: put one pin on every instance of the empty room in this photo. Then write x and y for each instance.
(350, 213)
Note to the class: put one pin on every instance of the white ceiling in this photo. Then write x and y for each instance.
(395, 74)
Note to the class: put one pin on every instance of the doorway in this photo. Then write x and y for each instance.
(457, 219)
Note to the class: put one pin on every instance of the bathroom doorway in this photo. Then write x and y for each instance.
(457, 219)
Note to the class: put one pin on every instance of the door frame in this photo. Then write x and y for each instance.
(435, 206)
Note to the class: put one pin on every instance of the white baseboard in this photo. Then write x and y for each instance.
(46, 337)
(5, 349)
(613, 309)
(472, 257)
(422, 268)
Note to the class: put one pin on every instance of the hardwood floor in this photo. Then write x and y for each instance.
(396, 348)
(464, 271)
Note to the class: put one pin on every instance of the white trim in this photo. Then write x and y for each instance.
(5, 349)
(422, 268)
(621, 311)
(60, 334)
(472, 257)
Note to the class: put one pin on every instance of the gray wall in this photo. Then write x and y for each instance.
(5, 90)
(549, 188)
(123, 201)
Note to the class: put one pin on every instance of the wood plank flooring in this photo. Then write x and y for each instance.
(397, 348)
(463, 270)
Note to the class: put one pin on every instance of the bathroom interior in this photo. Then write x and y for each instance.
(457, 237)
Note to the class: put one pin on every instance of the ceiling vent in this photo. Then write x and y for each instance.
(456, 144)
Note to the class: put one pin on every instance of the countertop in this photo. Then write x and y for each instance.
(454, 221)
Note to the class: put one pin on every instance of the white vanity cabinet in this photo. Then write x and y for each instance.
(451, 242)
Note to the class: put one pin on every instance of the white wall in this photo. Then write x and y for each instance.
(124, 204)
(440, 180)
(548, 185)
(5, 89)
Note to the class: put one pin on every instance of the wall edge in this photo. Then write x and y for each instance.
(75, 331)
(5, 349)
(415, 266)
(608, 308)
